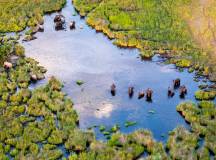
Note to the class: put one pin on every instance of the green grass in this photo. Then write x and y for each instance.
(155, 26)
(15, 15)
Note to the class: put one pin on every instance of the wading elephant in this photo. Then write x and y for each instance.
(72, 25)
(149, 93)
(176, 83)
(113, 89)
(182, 91)
(141, 94)
(170, 92)
(130, 91)
(59, 22)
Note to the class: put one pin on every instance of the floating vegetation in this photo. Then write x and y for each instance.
(205, 95)
(102, 128)
(115, 128)
(79, 82)
(203, 86)
(130, 123)
(151, 111)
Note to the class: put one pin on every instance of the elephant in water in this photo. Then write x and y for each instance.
(59, 22)
(182, 91)
(170, 92)
(113, 89)
(130, 91)
(149, 93)
(176, 83)
(141, 95)
(72, 25)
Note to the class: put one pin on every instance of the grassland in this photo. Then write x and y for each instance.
(15, 15)
(157, 26)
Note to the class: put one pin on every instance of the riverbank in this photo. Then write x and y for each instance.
(152, 28)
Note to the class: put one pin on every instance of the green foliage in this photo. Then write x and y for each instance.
(56, 137)
(78, 140)
(205, 95)
(15, 15)
(202, 120)
(5, 49)
(19, 50)
(156, 26)
(79, 82)
(182, 144)
(130, 123)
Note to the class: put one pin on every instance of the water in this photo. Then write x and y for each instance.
(83, 54)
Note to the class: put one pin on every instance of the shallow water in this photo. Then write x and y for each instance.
(83, 54)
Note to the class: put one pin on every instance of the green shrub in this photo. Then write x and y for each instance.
(205, 95)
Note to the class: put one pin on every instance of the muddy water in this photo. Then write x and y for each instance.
(85, 55)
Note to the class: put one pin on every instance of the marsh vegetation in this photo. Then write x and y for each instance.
(43, 124)
(156, 27)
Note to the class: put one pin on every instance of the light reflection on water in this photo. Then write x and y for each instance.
(85, 55)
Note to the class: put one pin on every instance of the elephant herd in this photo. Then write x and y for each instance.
(149, 92)
(59, 21)
(177, 85)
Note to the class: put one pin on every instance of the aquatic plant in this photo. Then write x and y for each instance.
(182, 144)
(56, 137)
(115, 128)
(205, 95)
(79, 82)
(102, 128)
(202, 120)
(78, 141)
(19, 50)
(130, 123)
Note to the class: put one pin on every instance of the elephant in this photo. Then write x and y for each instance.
(72, 25)
(149, 93)
(59, 26)
(182, 91)
(141, 94)
(59, 18)
(113, 89)
(130, 91)
(170, 92)
(176, 83)
(59, 22)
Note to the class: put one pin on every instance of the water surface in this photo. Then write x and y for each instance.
(83, 54)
